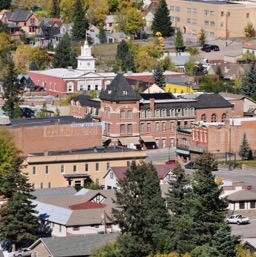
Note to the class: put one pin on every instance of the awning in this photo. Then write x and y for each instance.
(73, 176)
(148, 139)
(129, 140)
(182, 151)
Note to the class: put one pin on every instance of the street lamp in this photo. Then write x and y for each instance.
(227, 33)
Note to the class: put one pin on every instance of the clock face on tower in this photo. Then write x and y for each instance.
(88, 64)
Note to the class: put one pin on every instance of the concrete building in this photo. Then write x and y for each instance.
(77, 167)
(226, 19)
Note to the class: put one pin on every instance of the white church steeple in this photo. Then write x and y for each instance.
(85, 61)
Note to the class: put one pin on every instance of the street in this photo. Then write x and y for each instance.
(246, 230)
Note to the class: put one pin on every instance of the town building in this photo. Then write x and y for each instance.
(54, 133)
(77, 167)
(218, 18)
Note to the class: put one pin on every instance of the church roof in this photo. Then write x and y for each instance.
(119, 90)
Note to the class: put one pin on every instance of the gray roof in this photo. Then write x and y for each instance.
(119, 90)
(87, 100)
(212, 101)
(242, 195)
(19, 15)
(75, 245)
(53, 192)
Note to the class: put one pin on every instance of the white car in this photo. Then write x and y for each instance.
(24, 252)
(238, 219)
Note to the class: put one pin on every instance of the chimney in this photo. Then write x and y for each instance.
(152, 106)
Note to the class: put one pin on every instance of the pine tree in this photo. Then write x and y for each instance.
(244, 149)
(219, 72)
(122, 51)
(205, 205)
(223, 244)
(62, 53)
(159, 77)
(102, 36)
(248, 87)
(141, 212)
(80, 22)
(161, 21)
(18, 218)
(178, 40)
(5, 4)
(33, 65)
(129, 62)
(72, 58)
(17, 112)
(11, 88)
(55, 9)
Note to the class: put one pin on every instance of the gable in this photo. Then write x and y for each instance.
(99, 198)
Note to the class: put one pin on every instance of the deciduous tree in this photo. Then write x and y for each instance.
(249, 30)
(202, 37)
(18, 217)
(161, 21)
(97, 12)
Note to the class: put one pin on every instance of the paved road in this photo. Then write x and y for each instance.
(246, 230)
(161, 155)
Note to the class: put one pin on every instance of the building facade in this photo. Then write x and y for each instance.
(218, 18)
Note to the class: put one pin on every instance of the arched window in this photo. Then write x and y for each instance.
(172, 112)
(214, 118)
(148, 113)
(163, 113)
(203, 117)
(142, 114)
(157, 113)
(223, 117)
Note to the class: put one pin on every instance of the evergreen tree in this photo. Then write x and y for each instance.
(80, 22)
(55, 9)
(205, 206)
(18, 222)
(3, 27)
(219, 72)
(11, 88)
(129, 62)
(248, 87)
(122, 51)
(62, 53)
(33, 64)
(141, 212)
(161, 21)
(223, 244)
(72, 58)
(202, 38)
(102, 36)
(5, 4)
(17, 112)
(244, 149)
(159, 77)
(178, 40)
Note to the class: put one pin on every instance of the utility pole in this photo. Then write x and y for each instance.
(227, 33)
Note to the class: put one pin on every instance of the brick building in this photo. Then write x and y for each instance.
(55, 133)
(147, 120)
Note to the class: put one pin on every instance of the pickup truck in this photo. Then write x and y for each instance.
(238, 219)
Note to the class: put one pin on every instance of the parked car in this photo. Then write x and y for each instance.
(238, 219)
(181, 49)
(214, 48)
(190, 165)
(170, 162)
(206, 48)
(23, 252)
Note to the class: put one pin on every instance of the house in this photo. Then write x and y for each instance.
(93, 34)
(20, 20)
(180, 85)
(249, 49)
(113, 37)
(80, 214)
(250, 244)
(242, 201)
(110, 23)
(70, 246)
(218, 18)
(77, 167)
(114, 174)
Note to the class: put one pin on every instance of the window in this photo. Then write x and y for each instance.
(129, 128)
(157, 127)
(78, 183)
(185, 124)
(74, 168)
(221, 14)
(206, 23)
(108, 165)
(59, 228)
(163, 126)
(46, 169)
(172, 126)
(88, 87)
(212, 23)
(76, 228)
(212, 13)
(97, 166)
(214, 118)
(32, 21)
(247, 15)
(172, 8)
(177, 8)
(241, 205)
(148, 127)
(129, 114)
(203, 117)
(33, 185)
(122, 128)
(125, 92)
(34, 170)
(223, 117)
(148, 113)
(41, 185)
(122, 115)
(177, 19)
(49, 184)
(97, 182)
(86, 167)
(222, 24)
(70, 87)
(142, 114)
(96, 87)
(157, 113)
(252, 204)
(62, 168)
(111, 175)
(142, 125)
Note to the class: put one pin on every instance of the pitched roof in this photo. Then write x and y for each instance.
(87, 205)
(157, 96)
(53, 192)
(20, 15)
(212, 101)
(75, 245)
(242, 195)
(119, 90)
(86, 100)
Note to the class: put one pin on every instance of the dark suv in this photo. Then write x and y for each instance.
(214, 48)
(209, 48)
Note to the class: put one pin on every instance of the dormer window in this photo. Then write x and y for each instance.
(125, 92)
(109, 92)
